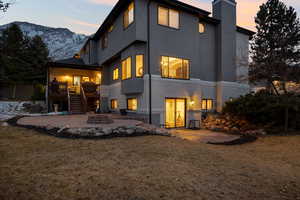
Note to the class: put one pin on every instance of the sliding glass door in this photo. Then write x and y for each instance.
(175, 112)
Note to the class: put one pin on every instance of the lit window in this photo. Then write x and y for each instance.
(168, 17)
(163, 16)
(76, 80)
(174, 68)
(207, 104)
(104, 41)
(128, 15)
(85, 79)
(132, 104)
(173, 18)
(201, 28)
(111, 28)
(98, 78)
(126, 68)
(116, 74)
(139, 65)
(114, 104)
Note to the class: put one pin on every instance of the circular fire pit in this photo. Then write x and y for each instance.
(99, 119)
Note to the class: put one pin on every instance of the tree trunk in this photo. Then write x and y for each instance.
(14, 91)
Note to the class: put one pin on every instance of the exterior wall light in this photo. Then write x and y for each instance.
(67, 77)
(192, 103)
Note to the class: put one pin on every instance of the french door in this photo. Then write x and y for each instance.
(175, 115)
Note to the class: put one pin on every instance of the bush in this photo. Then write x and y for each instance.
(264, 108)
(38, 93)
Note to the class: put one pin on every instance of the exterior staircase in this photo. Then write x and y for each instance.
(75, 104)
(82, 102)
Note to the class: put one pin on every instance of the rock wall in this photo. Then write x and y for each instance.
(21, 107)
(231, 124)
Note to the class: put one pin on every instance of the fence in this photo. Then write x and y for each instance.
(16, 92)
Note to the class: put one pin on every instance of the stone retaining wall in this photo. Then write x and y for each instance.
(142, 129)
(98, 131)
(21, 107)
(231, 124)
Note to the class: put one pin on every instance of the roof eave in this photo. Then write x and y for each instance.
(185, 6)
(245, 31)
(73, 66)
(121, 3)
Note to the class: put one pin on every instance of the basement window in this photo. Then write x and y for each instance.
(207, 104)
(114, 104)
(132, 104)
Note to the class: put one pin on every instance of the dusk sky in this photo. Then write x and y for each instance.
(85, 16)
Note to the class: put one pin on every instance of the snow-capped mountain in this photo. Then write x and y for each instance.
(61, 42)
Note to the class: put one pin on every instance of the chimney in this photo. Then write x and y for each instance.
(225, 11)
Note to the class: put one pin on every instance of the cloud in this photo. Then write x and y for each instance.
(81, 26)
(82, 23)
(104, 2)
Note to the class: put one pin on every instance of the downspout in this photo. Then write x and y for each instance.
(149, 72)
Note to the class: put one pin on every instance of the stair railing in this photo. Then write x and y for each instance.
(83, 99)
(69, 100)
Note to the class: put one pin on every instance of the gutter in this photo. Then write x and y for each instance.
(149, 71)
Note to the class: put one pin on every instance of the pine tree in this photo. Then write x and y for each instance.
(23, 59)
(276, 52)
(37, 53)
(12, 49)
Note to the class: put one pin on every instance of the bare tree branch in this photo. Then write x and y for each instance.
(4, 5)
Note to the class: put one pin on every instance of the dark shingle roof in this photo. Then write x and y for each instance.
(75, 63)
(245, 31)
(72, 61)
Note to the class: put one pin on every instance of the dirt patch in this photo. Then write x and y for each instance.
(35, 166)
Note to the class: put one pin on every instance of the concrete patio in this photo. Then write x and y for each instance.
(77, 125)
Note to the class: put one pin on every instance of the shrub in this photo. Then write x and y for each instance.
(264, 108)
(38, 92)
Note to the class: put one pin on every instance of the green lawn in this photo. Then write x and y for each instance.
(36, 166)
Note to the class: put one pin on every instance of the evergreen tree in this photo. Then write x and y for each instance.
(23, 59)
(276, 52)
(37, 53)
(12, 49)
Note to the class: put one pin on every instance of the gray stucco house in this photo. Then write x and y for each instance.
(168, 61)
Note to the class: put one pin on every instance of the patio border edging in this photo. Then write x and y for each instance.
(92, 132)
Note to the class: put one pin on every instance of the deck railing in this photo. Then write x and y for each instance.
(69, 100)
(58, 89)
(83, 99)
